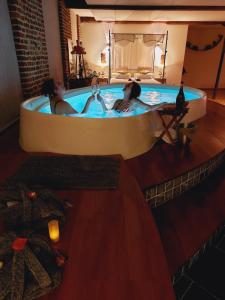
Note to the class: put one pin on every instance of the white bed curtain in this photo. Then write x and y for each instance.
(107, 26)
(131, 50)
(134, 51)
(132, 54)
(137, 52)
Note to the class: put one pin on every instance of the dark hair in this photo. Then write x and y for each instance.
(48, 87)
(135, 90)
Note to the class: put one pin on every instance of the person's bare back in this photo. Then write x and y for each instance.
(59, 106)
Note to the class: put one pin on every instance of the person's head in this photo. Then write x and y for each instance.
(132, 90)
(49, 88)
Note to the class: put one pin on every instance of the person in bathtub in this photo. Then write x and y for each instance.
(130, 101)
(59, 106)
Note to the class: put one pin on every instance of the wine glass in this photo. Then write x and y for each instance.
(93, 90)
(98, 89)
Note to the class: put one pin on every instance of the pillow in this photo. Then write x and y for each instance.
(115, 74)
(144, 76)
(144, 70)
(122, 76)
(122, 70)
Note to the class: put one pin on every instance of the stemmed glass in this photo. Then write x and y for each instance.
(93, 90)
(97, 89)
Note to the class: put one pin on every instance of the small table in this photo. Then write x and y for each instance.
(161, 80)
(176, 119)
(79, 82)
(103, 80)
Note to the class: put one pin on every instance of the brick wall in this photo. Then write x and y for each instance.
(65, 34)
(29, 37)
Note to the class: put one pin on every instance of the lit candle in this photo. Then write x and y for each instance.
(32, 195)
(53, 229)
(1, 264)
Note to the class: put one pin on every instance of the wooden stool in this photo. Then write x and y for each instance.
(176, 119)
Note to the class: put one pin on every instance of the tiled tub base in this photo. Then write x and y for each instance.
(202, 276)
(212, 241)
(161, 193)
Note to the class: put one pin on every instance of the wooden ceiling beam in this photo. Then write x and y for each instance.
(92, 20)
(83, 4)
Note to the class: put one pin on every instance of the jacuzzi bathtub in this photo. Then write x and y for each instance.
(98, 133)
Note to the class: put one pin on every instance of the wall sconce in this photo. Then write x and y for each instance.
(103, 58)
(162, 59)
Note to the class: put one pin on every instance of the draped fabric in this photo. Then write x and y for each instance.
(130, 37)
(154, 38)
(107, 27)
(133, 51)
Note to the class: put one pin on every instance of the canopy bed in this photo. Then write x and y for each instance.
(137, 56)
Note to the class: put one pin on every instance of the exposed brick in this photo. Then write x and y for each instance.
(29, 37)
(65, 34)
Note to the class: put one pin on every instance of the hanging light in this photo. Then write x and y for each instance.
(103, 57)
(162, 59)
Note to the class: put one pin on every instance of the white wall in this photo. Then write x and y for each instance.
(94, 41)
(93, 38)
(177, 38)
(10, 87)
(73, 25)
(52, 35)
(202, 66)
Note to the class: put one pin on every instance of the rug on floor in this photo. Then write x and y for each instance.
(67, 172)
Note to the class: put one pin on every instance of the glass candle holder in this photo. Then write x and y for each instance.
(53, 229)
(1, 264)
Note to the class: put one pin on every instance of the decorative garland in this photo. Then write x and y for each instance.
(30, 266)
(214, 43)
(22, 207)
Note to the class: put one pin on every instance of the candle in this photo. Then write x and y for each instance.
(53, 229)
(1, 264)
(32, 195)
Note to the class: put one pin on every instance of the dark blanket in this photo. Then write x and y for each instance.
(67, 172)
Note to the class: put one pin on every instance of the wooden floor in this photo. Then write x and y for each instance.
(219, 97)
(165, 161)
(188, 221)
(110, 237)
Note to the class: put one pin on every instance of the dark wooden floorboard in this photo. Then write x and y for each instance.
(165, 161)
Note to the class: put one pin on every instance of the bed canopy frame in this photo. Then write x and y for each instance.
(158, 38)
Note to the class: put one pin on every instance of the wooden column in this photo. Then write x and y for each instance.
(109, 57)
(164, 62)
(219, 70)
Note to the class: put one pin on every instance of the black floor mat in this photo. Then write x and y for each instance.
(67, 172)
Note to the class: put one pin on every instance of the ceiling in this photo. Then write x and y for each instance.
(158, 2)
(147, 4)
(152, 16)
(151, 10)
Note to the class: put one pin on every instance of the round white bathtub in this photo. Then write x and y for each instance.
(98, 133)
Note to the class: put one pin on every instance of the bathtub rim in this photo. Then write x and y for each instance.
(72, 92)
